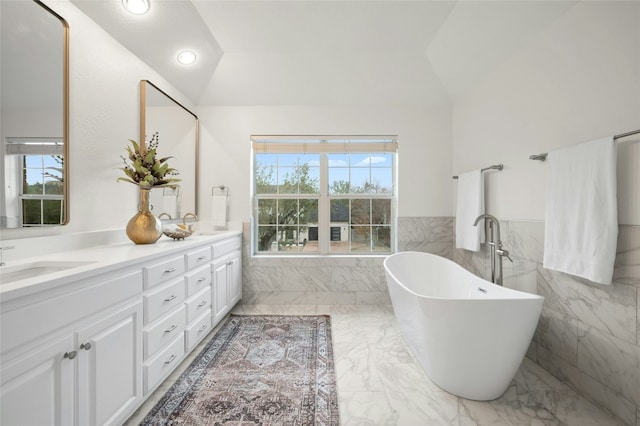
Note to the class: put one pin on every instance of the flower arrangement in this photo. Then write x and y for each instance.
(144, 169)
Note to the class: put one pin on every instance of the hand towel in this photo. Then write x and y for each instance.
(581, 217)
(470, 205)
(219, 211)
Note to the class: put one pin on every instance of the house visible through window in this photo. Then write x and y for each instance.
(324, 195)
(37, 164)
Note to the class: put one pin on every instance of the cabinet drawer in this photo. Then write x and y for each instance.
(196, 331)
(199, 257)
(163, 300)
(163, 330)
(163, 271)
(38, 320)
(227, 246)
(198, 279)
(159, 367)
(198, 304)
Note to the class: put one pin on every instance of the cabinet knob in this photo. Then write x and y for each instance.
(86, 346)
(170, 298)
(230, 263)
(70, 355)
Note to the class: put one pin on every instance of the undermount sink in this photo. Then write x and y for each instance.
(10, 274)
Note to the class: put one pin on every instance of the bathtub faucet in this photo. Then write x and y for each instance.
(496, 248)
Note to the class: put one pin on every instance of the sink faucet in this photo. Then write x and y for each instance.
(2, 249)
(496, 247)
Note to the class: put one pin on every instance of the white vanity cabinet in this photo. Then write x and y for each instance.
(74, 356)
(227, 277)
(88, 348)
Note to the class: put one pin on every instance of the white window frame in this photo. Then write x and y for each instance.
(324, 145)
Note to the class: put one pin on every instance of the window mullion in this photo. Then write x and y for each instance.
(323, 206)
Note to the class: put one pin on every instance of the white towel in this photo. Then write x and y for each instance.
(470, 205)
(219, 211)
(581, 220)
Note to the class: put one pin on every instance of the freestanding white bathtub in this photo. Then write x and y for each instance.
(469, 335)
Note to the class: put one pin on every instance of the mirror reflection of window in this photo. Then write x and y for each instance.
(34, 174)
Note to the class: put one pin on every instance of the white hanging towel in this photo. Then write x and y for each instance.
(470, 205)
(219, 211)
(581, 219)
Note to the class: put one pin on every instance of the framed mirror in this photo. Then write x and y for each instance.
(34, 116)
(177, 129)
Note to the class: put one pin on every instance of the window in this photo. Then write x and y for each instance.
(39, 179)
(329, 195)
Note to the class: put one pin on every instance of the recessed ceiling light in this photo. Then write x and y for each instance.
(137, 7)
(186, 57)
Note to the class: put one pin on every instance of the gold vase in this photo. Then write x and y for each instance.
(144, 227)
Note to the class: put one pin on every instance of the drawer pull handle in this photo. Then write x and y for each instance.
(202, 257)
(170, 270)
(203, 328)
(170, 360)
(170, 298)
(230, 263)
(204, 302)
(202, 279)
(70, 355)
(86, 346)
(170, 329)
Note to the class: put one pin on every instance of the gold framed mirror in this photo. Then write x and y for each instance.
(34, 116)
(177, 129)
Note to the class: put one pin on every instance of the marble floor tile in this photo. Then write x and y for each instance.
(380, 383)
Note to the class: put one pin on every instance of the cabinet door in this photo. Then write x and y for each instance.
(38, 388)
(235, 278)
(110, 367)
(220, 302)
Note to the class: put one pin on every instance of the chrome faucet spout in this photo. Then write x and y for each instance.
(496, 247)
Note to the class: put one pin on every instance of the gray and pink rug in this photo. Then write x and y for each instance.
(257, 370)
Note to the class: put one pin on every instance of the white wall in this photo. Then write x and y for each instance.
(424, 136)
(104, 114)
(578, 80)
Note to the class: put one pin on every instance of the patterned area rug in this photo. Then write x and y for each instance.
(257, 370)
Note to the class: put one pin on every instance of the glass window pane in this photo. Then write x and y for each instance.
(32, 161)
(308, 212)
(53, 187)
(267, 210)
(359, 180)
(52, 212)
(381, 212)
(287, 160)
(360, 160)
(382, 179)
(339, 180)
(265, 160)
(288, 212)
(31, 212)
(309, 179)
(312, 160)
(265, 179)
(288, 238)
(360, 212)
(381, 160)
(360, 239)
(381, 236)
(338, 160)
(339, 238)
(287, 180)
(266, 240)
(339, 211)
(308, 239)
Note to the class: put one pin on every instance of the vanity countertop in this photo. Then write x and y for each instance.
(92, 261)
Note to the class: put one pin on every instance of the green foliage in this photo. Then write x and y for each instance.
(142, 168)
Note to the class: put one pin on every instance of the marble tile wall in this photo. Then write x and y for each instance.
(347, 280)
(588, 335)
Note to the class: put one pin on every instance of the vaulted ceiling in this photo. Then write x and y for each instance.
(326, 52)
